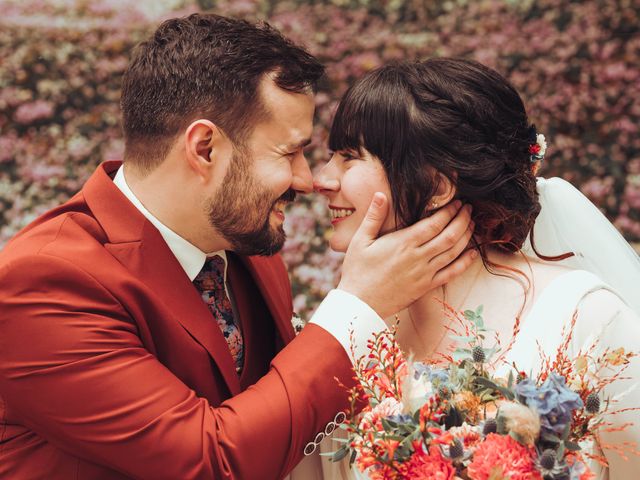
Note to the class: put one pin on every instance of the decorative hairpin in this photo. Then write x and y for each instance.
(538, 148)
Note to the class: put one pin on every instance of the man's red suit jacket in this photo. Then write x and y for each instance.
(112, 367)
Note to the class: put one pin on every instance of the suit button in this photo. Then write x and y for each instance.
(331, 426)
(310, 448)
(340, 418)
(319, 437)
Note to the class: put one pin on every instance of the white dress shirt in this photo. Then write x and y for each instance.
(341, 314)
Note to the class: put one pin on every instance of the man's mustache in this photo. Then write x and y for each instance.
(288, 196)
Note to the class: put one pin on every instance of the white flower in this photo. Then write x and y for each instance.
(297, 323)
(540, 140)
(416, 391)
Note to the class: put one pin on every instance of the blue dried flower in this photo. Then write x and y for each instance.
(437, 375)
(553, 401)
(400, 419)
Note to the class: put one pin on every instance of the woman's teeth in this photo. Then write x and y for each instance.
(340, 212)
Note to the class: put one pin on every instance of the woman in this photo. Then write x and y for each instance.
(429, 132)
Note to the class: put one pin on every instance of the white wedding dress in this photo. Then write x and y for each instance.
(603, 286)
(603, 318)
(602, 314)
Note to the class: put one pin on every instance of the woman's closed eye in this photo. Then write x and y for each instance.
(349, 156)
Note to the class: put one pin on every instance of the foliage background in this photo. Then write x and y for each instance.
(576, 64)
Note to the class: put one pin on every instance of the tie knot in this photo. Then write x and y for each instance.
(215, 262)
(211, 277)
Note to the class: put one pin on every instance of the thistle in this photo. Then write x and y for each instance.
(478, 354)
(592, 404)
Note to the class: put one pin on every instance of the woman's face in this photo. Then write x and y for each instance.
(349, 181)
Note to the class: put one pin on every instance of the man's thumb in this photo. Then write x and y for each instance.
(373, 220)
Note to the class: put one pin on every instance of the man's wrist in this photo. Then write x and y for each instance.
(350, 320)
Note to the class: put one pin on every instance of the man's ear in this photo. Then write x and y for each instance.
(445, 192)
(204, 142)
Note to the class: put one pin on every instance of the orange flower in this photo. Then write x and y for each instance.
(503, 451)
(432, 466)
(467, 434)
(468, 403)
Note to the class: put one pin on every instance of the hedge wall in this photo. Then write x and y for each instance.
(576, 64)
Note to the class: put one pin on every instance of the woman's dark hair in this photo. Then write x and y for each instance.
(205, 66)
(448, 117)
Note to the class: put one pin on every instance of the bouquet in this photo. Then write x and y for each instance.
(455, 418)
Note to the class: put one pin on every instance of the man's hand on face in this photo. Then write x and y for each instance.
(391, 272)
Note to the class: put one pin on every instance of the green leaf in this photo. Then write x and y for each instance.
(340, 440)
(561, 450)
(463, 338)
(517, 437)
(340, 454)
(460, 355)
(510, 380)
(573, 446)
(388, 425)
(485, 382)
(550, 437)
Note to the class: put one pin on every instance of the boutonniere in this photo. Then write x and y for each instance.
(297, 323)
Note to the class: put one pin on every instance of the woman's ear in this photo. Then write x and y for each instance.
(445, 192)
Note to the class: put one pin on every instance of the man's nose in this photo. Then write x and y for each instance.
(302, 179)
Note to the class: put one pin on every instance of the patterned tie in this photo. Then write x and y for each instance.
(210, 283)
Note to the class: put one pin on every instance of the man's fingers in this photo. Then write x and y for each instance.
(454, 269)
(428, 228)
(373, 220)
(447, 247)
(450, 235)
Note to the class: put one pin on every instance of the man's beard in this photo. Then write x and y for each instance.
(241, 212)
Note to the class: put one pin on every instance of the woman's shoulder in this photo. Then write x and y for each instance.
(565, 284)
(597, 307)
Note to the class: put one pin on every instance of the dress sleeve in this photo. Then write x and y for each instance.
(605, 318)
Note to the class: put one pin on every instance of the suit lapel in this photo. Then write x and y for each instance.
(271, 278)
(138, 245)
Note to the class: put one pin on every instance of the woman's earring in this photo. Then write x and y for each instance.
(434, 205)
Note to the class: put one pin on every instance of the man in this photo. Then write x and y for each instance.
(111, 364)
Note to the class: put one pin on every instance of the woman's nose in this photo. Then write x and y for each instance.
(325, 182)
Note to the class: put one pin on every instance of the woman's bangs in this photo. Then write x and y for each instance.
(347, 128)
(362, 120)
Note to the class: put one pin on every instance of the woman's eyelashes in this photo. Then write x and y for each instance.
(349, 156)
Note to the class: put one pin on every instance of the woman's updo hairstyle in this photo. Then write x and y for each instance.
(452, 117)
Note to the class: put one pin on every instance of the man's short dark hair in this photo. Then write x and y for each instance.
(205, 66)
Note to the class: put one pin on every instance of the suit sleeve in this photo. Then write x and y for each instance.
(74, 369)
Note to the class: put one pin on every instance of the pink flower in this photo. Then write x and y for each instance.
(502, 451)
(32, 111)
(431, 466)
(387, 407)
